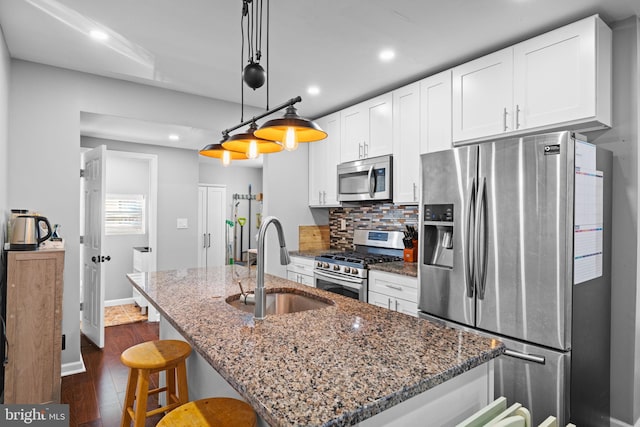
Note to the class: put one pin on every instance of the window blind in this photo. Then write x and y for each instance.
(125, 214)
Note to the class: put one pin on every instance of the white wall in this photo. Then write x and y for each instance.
(44, 113)
(4, 134)
(124, 176)
(285, 179)
(622, 139)
(237, 179)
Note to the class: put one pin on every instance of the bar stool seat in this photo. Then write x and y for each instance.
(145, 359)
(213, 411)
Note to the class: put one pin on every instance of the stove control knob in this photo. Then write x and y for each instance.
(346, 270)
(336, 267)
(318, 264)
(325, 265)
(354, 271)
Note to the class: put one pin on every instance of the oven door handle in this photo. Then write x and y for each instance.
(340, 278)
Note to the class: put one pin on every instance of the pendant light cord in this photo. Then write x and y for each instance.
(267, 52)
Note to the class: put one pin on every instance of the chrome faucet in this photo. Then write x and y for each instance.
(261, 296)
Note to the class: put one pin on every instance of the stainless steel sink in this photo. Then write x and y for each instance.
(283, 302)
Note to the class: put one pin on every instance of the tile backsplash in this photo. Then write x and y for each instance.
(367, 215)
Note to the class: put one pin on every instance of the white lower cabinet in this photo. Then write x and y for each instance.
(300, 270)
(395, 292)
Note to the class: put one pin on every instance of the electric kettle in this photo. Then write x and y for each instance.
(26, 232)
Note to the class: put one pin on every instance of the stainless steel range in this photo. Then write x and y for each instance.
(346, 273)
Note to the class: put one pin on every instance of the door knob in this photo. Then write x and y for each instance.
(106, 258)
(95, 259)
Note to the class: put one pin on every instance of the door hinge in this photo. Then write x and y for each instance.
(81, 306)
(81, 173)
(81, 240)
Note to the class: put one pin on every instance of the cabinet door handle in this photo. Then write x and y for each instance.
(204, 240)
(209, 244)
(324, 197)
(360, 150)
(366, 150)
(396, 305)
(414, 191)
(504, 119)
(389, 303)
(397, 288)
(517, 116)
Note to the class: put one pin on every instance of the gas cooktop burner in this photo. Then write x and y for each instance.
(363, 259)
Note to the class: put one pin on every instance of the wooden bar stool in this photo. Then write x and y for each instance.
(148, 358)
(214, 411)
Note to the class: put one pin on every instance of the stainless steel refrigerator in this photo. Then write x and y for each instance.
(516, 245)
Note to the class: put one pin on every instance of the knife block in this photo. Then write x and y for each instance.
(411, 254)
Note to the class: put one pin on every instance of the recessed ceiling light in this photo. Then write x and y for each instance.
(386, 55)
(174, 137)
(98, 35)
(313, 90)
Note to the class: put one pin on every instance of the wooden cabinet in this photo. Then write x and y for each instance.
(324, 157)
(435, 113)
(34, 326)
(406, 144)
(367, 129)
(394, 291)
(560, 79)
(300, 270)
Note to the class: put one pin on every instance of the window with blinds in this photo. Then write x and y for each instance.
(125, 214)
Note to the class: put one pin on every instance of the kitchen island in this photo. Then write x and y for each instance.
(344, 364)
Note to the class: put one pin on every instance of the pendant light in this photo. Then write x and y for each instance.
(217, 151)
(276, 134)
(248, 143)
(291, 129)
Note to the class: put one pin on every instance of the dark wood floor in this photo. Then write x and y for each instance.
(95, 397)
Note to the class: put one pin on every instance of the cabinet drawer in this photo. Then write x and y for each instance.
(394, 285)
(301, 265)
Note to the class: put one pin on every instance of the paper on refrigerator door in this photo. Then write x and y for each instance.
(588, 233)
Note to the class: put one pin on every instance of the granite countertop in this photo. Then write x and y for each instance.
(397, 267)
(334, 366)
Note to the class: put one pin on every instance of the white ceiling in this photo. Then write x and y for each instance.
(194, 46)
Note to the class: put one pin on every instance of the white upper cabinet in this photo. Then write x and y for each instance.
(560, 79)
(323, 160)
(482, 96)
(406, 144)
(557, 76)
(435, 113)
(367, 129)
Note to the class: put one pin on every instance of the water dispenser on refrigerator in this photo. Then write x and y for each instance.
(438, 235)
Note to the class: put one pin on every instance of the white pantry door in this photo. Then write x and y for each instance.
(92, 325)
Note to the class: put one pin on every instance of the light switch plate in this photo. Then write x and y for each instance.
(182, 223)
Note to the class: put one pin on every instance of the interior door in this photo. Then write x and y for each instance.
(92, 325)
(211, 226)
(216, 241)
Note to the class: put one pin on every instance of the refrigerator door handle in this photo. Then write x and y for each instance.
(469, 247)
(524, 356)
(482, 232)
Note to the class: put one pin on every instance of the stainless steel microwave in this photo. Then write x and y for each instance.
(366, 179)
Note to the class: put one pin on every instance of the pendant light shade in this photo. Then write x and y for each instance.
(218, 152)
(250, 144)
(290, 126)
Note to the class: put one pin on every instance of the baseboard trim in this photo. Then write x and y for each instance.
(617, 423)
(121, 301)
(73, 368)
